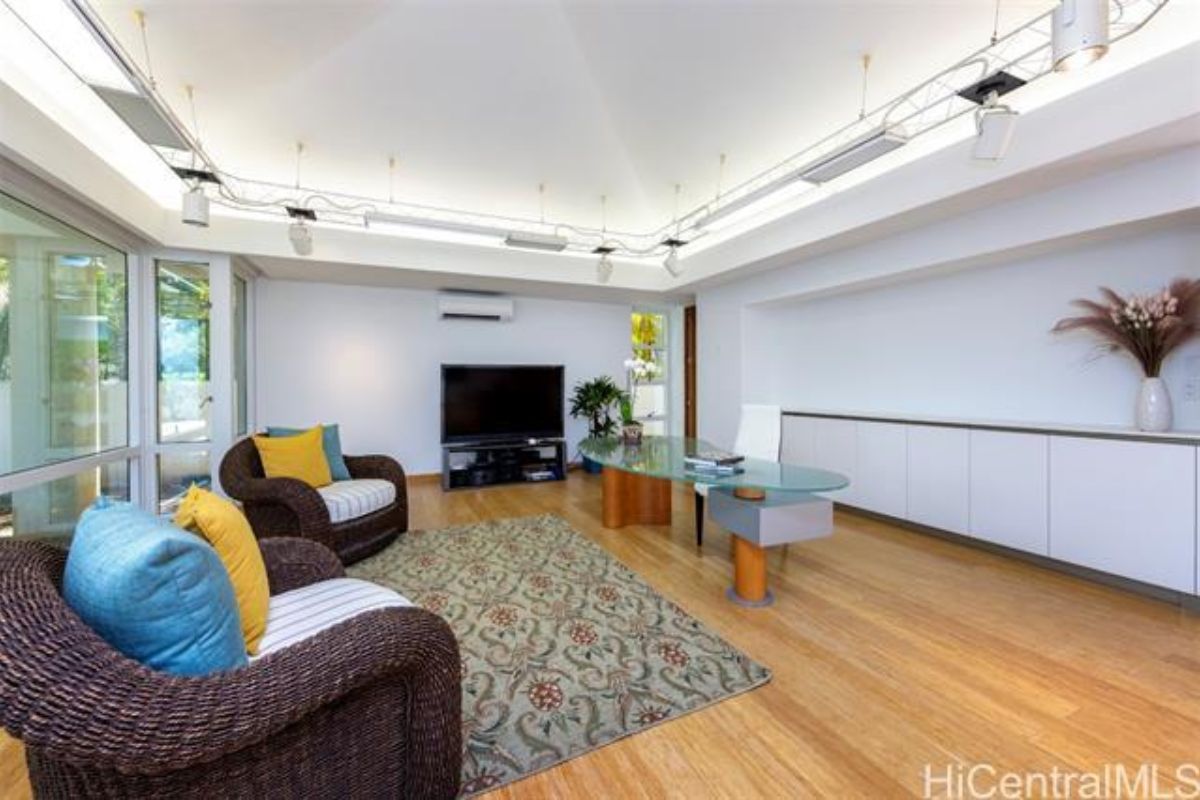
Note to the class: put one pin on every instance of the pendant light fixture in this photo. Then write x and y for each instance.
(194, 207)
(1079, 33)
(298, 232)
(604, 267)
(673, 242)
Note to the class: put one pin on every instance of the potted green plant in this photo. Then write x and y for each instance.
(594, 401)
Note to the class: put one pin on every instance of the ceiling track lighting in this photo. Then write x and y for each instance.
(671, 262)
(537, 241)
(301, 238)
(1073, 34)
(995, 125)
(194, 209)
(1079, 33)
(604, 267)
(298, 232)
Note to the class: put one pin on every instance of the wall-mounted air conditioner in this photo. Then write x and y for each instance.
(493, 308)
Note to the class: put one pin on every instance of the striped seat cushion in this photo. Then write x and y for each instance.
(348, 500)
(296, 615)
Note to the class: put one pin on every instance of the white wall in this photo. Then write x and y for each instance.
(368, 359)
(964, 331)
(975, 344)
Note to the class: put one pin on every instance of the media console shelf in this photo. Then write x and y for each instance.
(466, 466)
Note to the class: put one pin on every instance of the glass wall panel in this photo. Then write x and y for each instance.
(64, 368)
(241, 372)
(184, 393)
(177, 470)
(50, 510)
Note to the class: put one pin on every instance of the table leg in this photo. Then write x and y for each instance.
(749, 575)
(632, 499)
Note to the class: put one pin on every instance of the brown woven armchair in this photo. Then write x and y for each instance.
(368, 708)
(289, 507)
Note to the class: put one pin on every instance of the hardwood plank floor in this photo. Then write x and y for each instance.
(891, 650)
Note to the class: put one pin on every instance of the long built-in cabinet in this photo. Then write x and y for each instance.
(1119, 502)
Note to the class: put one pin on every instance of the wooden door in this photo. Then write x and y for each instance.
(689, 371)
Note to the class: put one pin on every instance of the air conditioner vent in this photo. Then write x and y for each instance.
(479, 307)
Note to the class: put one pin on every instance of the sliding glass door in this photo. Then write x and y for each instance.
(201, 370)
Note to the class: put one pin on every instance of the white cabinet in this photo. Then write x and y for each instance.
(1009, 496)
(799, 441)
(1127, 508)
(938, 494)
(1196, 575)
(834, 448)
(881, 468)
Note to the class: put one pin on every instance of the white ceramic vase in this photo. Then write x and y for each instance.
(1153, 406)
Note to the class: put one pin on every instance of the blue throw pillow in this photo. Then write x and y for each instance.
(331, 441)
(158, 594)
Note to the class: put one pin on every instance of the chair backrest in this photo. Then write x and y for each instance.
(759, 431)
(240, 464)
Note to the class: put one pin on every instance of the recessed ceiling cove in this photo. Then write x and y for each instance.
(480, 102)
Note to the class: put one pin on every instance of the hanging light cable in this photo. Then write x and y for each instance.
(671, 263)
(996, 24)
(140, 17)
(298, 232)
(866, 68)
(194, 206)
(299, 156)
(391, 179)
(720, 176)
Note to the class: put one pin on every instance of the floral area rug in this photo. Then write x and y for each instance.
(564, 648)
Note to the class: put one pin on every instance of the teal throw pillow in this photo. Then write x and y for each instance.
(331, 441)
(156, 593)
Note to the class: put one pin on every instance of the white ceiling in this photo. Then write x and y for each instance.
(481, 101)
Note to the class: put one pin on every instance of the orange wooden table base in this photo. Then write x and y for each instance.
(632, 499)
(749, 575)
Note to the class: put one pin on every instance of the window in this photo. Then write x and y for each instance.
(184, 393)
(64, 371)
(649, 345)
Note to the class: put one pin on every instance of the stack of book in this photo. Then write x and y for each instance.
(714, 462)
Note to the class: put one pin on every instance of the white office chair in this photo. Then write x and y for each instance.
(758, 435)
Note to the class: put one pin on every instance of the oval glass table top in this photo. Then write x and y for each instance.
(663, 457)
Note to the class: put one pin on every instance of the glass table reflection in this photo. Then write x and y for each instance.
(768, 503)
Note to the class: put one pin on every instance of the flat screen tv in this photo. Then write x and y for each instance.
(483, 403)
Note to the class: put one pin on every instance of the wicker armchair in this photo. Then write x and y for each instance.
(368, 708)
(288, 507)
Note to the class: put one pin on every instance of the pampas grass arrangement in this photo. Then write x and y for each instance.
(1148, 327)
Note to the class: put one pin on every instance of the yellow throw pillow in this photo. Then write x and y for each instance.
(226, 528)
(301, 456)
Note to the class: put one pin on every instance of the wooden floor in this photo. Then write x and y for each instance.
(891, 650)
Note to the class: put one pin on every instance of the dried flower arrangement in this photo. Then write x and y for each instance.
(1147, 327)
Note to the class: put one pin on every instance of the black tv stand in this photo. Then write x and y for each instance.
(473, 464)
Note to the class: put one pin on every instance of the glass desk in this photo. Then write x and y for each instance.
(767, 504)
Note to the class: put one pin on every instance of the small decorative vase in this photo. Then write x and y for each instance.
(631, 433)
(1153, 406)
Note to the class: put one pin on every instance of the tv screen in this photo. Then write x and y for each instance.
(488, 403)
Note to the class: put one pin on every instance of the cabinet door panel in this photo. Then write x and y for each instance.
(1128, 508)
(799, 444)
(835, 449)
(938, 466)
(1009, 492)
(881, 468)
